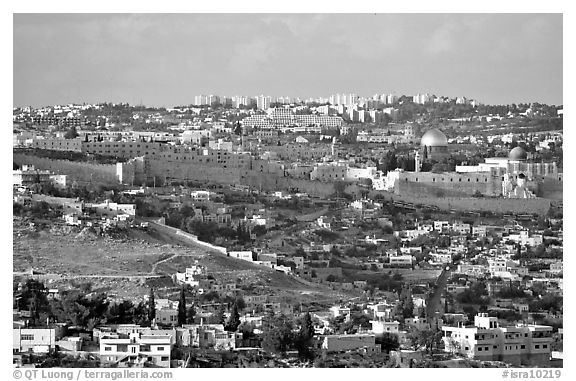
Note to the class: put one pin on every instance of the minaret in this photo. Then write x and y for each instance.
(417, 162)
(333, 144)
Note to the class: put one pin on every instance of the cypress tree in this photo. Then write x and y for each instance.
(307, 328)
(182, 308)
(234, 319)
(151, 306)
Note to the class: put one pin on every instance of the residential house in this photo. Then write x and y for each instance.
(343, 343)
(486, 340)
(36, 340)
(379, 327)
(136, 350)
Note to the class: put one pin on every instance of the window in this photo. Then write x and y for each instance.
(27, 337)
(544, 346)
(466, 348)
(479, 349)
(522, 346)
(164, 358)
(494, 347)
(537, 346)
(107, 349)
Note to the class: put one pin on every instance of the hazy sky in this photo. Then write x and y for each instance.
(166, 59)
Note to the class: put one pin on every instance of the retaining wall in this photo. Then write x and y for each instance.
(76, 170)
(495, 205)
(182, 235)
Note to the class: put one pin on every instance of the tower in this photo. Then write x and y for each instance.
(417, 162)
(333, 145)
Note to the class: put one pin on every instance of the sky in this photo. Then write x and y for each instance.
(167, 59)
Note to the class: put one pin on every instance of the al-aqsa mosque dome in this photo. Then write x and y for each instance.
(434, 138)
(517, 153)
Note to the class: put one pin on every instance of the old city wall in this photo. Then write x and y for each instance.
(429, 190)
(273, 182)
(171, 170)
(179, 171)
(447, 184)
(495, 205)
(82, 172)
(551, 188)
(180, 235)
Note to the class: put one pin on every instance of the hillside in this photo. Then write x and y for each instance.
(127, 265)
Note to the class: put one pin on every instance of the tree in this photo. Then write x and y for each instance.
(151, 306)
(182, 313)
(247, 330)
(307, 327)
(71, 133)
(120, 313)
(453, 345)
(218, 317)
(234, 320)
(277, 335)
(80, 310)
(190, 314)
(415, 339)
(33, 292)
(405, 306)
(303, 340)
(140, 314)
(389, 342)
(432, 340)
(240, 303)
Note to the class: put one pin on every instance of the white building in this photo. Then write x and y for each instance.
(109, 208)
(36, 340)
(244, 255)
(486, 340)
(136, 349)
(379, 327)
(342, 343)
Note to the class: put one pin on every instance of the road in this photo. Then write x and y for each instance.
(434, 304)
(110, 276)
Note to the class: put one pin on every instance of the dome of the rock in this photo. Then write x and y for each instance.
(434, 138)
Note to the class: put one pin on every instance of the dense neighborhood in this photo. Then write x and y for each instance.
(412, 231)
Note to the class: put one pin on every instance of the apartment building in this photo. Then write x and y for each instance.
(342, 343)
(486, 340)
(208, 336)
(74, 145)
(136, 349)
(379, 327)
(36, 340)
(122, 149)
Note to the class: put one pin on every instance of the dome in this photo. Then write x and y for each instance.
(434, 138)
(517, 153)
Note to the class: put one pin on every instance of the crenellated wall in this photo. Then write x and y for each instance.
(538, 206)
(81, 171)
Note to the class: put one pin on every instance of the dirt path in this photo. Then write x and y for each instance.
(155, 265)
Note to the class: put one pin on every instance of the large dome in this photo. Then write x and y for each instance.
(434, 138)
(517, 153)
